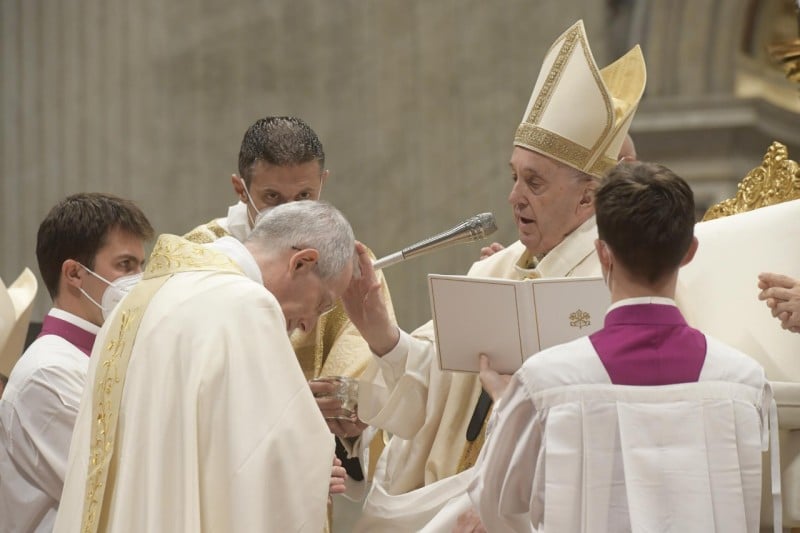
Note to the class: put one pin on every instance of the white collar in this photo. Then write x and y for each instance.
(642, 300)
(75, 320)
(561, 260)
(240, 255)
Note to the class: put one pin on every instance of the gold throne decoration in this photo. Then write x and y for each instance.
(776, 180)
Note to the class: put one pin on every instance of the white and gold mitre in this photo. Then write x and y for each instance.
(579, 114)
(16, 303)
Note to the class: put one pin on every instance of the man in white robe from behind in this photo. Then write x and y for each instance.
(196, 415)
(566, 452)
(572, 130)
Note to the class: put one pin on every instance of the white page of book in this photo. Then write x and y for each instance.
(510, 320)
(473, 318)
(569, 308)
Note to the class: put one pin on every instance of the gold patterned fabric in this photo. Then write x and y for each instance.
(171, 255)
(578, 114)
(207, 233)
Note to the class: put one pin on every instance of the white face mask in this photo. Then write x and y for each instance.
(259, 214)
(115, 291)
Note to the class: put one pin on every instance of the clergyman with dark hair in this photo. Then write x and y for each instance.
(281, 160)
(90, 250)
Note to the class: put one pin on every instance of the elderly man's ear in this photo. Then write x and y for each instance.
(303, 261)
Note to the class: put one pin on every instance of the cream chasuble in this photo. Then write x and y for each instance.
(196, 415)
(333, 348)
(428, 410)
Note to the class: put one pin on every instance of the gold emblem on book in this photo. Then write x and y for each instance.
(580, 319)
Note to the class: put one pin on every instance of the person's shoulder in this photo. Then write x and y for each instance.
(726, 363)
(50, 363)
(48, 353)
(208, 232)
(226, 286)
(564, 364)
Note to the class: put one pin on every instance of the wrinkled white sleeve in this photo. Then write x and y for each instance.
(394, 389)
(502, 487)
(44, 417)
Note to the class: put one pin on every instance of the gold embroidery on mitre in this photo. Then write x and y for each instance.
(776, 180)
(604, 137)
(580, 319)
(543, 98)
(569, 152)
(566, 151)
(619, 86)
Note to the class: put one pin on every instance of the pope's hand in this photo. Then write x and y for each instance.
(782, 296)
(364, 303)
(493, 383)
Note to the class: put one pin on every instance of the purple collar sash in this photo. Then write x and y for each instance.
(80, 338)
(649, 344)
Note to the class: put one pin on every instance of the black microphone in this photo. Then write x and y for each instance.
(474, 228)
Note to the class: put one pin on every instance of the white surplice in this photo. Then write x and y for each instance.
(218, 430)
(569, 452)
(427, 410)
(37, 415)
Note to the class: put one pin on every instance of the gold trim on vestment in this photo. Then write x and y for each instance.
(776, 180)
(171, 255)
(207, 233)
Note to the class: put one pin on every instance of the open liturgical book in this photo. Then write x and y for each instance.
(511, 320)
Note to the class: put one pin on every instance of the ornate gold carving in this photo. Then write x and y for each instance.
(580, 319)
(776, 180)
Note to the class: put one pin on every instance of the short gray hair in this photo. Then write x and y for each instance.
(308, 224)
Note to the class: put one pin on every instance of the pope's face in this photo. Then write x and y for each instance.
(548, 200)
(273, 185)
